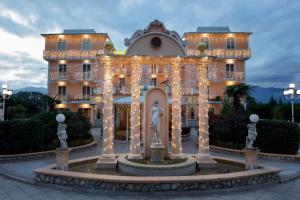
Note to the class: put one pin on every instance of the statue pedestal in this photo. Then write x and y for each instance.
(62, 159)
(205, 161)
(157, 152)
(107, 161)
(251, 158)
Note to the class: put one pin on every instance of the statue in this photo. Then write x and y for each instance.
(252, 133)
(156, 113)
(61, 131)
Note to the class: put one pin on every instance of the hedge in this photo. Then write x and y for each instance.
(39, 133)
(273, 136)
(278, 136)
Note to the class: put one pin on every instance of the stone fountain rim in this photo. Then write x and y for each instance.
(52, 172)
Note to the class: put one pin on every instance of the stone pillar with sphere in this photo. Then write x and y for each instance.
(62, 153)
(251, 152)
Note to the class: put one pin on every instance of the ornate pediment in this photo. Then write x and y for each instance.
(154, 27)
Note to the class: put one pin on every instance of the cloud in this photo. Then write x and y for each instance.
(274, 44)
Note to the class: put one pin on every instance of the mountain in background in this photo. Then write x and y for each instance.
(261, 94)
(42, 90)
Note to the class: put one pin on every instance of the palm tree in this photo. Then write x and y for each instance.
(237, 92)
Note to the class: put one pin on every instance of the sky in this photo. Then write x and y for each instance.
(275, 24)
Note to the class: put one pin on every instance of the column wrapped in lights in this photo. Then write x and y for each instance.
(176, 110)
(108, 135)
(203, 111)
(135, 135)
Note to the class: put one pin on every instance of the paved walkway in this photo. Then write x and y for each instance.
(11, 189)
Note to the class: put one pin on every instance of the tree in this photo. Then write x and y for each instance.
(34, 102)
(237, 93)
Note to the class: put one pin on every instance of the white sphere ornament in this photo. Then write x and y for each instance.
(60, 118)
(254, 118)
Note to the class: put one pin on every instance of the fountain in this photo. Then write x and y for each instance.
(156, 159)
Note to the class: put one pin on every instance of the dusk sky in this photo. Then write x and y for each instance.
(275, 25)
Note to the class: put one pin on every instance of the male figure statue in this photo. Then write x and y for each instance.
(156, 113)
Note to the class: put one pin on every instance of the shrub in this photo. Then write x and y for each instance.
(278, 137)
(273, 136)
(39, 133)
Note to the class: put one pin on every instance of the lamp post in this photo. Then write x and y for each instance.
(291, 93)
(5, 94)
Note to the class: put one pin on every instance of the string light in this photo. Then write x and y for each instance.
(176, 109)
(203, 109)
(135, 108)
(108, 135)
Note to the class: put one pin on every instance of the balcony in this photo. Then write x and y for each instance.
(76, 76)
(224, 53)
(71, 54)
(218, 75)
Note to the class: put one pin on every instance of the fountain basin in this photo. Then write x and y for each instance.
(114, 181)
(182, 167)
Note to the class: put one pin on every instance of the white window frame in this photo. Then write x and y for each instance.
(64, 96)
(86, 44)
(59, 75)
(61, 44)
(84, 74)
(86, 94)
(231, 42)
(233, 72)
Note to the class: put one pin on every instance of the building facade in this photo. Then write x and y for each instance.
(75, 75)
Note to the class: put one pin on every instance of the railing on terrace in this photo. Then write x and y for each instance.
(79, 76)
(224, 53)
(71, 54)
(219, 75)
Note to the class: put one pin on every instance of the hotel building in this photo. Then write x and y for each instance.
(76, 73)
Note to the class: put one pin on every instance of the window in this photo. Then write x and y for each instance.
(230, 43)
(230, 71)
(86, 92)
(62, 71)
(153, 82)
(86, 71)
(86, 44)
(205, 40)
(153, 69)
(121, 82)
(62, 92)
(61, 45)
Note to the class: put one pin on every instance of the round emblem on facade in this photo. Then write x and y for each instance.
(156, 42)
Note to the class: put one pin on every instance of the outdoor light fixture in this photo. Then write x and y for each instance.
(5, 94)
(291, 93)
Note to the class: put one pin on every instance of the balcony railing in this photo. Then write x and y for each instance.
(71, 54)
(224, 53)
(218, 75)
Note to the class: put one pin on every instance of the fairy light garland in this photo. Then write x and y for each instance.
(108, 135)
(203, 110)
(176, 108)
(135, 108)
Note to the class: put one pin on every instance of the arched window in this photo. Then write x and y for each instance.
(230, 43)
(86, 44)
(61, 44)
(206, 41)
